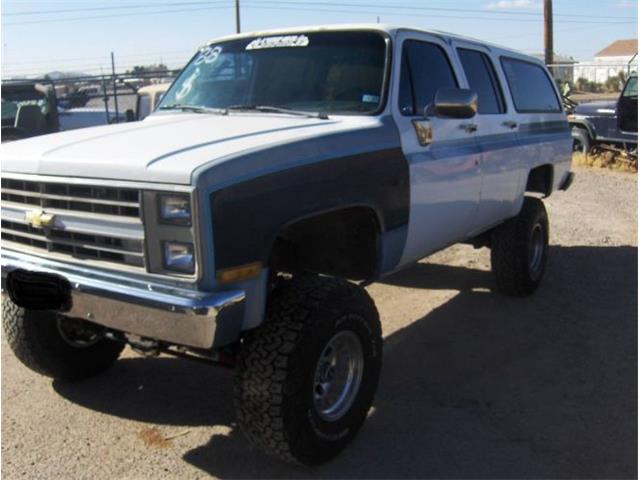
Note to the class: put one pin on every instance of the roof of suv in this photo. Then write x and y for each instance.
(390, 29)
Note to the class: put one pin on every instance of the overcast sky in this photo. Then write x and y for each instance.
(39, 36)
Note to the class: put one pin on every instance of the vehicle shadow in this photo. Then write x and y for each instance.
(484, 386)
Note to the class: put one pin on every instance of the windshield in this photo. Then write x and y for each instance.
(631, 89)
(333, 72)
(13, 100)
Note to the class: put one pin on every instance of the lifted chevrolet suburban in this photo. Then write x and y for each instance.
(281, 173)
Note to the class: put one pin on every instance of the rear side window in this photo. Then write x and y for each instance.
(483, 80)
(425, 69)
(531, 87)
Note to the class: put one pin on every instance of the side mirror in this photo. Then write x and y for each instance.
(130, 115)
(456, 103)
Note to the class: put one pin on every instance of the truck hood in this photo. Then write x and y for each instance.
(602, 107)
(164, 148)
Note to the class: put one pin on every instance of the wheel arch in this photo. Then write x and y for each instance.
(343, 241)
(585, 125)
(540, 179)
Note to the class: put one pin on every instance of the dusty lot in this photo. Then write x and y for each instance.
(474, 384)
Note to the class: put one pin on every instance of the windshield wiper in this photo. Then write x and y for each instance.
(194, 108)
(272, 109)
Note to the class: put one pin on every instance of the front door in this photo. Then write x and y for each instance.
(443, 154)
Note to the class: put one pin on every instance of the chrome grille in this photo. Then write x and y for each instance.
(82, 198)
(100, 223)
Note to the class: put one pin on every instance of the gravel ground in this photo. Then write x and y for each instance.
(474, 384)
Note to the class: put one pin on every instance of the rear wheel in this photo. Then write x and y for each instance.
(307, 377)
(519, 249)
(56, 346)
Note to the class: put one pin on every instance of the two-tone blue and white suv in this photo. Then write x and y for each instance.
(281, 172)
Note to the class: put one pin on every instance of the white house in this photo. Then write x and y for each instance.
(621, 55)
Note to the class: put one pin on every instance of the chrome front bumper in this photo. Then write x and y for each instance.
(162, 312)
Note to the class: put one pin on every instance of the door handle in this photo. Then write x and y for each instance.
(510, 124)
(469, 127)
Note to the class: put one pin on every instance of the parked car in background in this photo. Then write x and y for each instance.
(610, 123)
(280, 174)
(28, 109)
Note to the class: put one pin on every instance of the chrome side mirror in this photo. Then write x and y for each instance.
(455, 103)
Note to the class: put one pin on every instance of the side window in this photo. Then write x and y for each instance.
(531, 87)
(425, 69)
(483, 80)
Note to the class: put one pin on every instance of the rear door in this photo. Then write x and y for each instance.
(497, 135)
(442, 153)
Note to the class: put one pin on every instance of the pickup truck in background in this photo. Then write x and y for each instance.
(610, 124)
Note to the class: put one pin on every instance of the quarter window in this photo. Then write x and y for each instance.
(531, 87)
(482, 80)
(425, 69)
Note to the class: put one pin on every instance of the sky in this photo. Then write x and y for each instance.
(40, 36)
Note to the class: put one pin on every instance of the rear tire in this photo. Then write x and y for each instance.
(287, 379)
(519, 250)
(36, 338)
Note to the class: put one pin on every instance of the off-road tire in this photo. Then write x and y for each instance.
(511, 250)
(275, 370)
(35, 339)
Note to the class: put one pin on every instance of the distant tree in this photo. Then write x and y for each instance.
(141, 70)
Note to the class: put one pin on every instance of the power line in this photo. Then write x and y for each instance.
(160, 12)
(299, 4)
(120, 7)
(362, 12)
(441, 9)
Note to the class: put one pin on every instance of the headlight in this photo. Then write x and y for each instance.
(175, 209)
(179, 257)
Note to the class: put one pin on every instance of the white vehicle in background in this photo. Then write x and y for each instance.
(148, 99)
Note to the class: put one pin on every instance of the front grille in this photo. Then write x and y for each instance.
(98, 214)
(123, 202)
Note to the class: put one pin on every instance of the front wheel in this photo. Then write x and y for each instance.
(519, 249)
(307, 377)
(581, 140)
(56, 346)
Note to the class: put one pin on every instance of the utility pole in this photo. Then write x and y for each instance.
(548, 33)
(115, 87)
(237, 16)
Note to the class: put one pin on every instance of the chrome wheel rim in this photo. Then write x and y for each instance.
(537, 249)
(338, 376)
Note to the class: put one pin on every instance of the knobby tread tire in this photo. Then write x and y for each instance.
(510, 250)
(277, 359)
(34, 338)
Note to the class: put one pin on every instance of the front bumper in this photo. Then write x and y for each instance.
(162, 312)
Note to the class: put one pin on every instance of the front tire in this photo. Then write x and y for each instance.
(64, 349)
(307, 377)
(519, 250)
(581, 140)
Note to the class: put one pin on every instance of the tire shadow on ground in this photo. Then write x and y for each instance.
(484, 386)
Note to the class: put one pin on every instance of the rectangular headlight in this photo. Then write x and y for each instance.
(179, 256)
(175, 209)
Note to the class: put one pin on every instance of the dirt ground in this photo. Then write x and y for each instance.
(474, 384)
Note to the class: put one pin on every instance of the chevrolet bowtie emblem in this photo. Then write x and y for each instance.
(38, 218)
